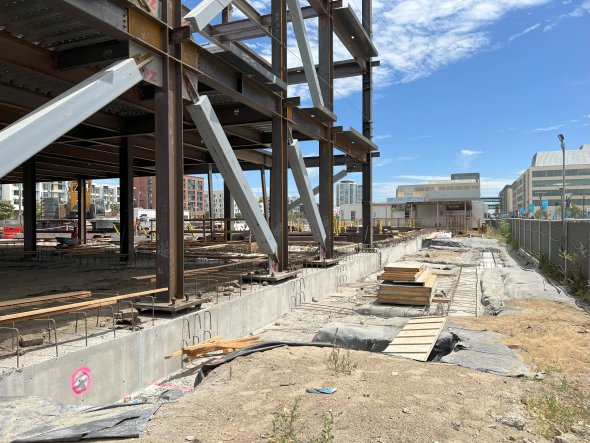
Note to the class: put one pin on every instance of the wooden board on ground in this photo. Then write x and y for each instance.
(73, 307)
(417, 338)
(212, 345)
(402, 271)
(408, 294)
(41, 299)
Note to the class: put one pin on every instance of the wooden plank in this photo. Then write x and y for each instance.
(412, 340)
(404, 266)
(417, 333)
(408, 349)
(414, 321)
(406, 344)
(9, 304)
(63, 309)
(421, 327)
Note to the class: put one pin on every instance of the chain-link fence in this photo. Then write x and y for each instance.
(547, 237)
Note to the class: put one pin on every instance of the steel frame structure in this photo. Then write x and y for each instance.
(50, 46)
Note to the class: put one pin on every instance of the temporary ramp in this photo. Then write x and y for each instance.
(29, 135)
(211, 131)
(337, 177)
(306, 193)
(417, 338)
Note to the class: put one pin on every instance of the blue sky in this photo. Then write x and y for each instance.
(464, 86)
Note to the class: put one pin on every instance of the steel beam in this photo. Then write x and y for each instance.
(126, 242)
(367, 132)
(212, 133)
(326, 173)
(169, 165)
(228, 211)
(204, 13)
(29, 135)
(278, 175)
(82, 210)
(337, 177)
(210, 191)
(30, 206)
(264, 194)
(342, 69)
(305, 52)
(306, 195)
(247, 29)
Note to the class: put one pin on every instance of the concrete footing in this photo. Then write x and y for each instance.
(118, 367)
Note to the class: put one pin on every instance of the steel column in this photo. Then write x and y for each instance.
(278, 176)
(210, 191)
(126, 243)
(30, 205)
(228, 212)
(264, 195)
(368, 131)
(169, 166)
(82, 210)
(326, 78)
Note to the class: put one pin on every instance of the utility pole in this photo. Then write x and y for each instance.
(561, 139)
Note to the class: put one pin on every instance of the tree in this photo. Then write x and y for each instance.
(575, 210)
(6, 210)
(540, 213)
(115, 208)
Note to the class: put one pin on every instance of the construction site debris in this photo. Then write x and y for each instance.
(31, 340)
(212, 345)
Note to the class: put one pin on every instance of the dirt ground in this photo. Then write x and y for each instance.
(550, 336)
(38, 279)
(385, 399)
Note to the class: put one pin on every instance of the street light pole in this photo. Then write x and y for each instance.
(561, 139)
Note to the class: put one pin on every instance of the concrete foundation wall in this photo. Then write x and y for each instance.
(127, 364)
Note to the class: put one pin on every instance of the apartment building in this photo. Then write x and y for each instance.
(193, 194)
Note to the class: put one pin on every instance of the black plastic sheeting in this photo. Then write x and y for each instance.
(480, 350)
(258, 347)
(36, 419)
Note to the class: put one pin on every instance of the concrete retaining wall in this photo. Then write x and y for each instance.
(127, 364)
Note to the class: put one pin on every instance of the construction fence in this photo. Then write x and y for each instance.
(554, 239)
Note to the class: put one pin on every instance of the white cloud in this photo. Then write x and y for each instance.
(415, 38)
(526, 31)
(465, 158)
(382, 137)
(382, 162)
(469, 152)
(491, 186)
(549, 128)
(578, 11)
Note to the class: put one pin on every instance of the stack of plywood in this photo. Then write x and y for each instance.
(406, 283)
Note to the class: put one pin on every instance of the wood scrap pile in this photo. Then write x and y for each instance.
(406, 283)
(212, 345)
